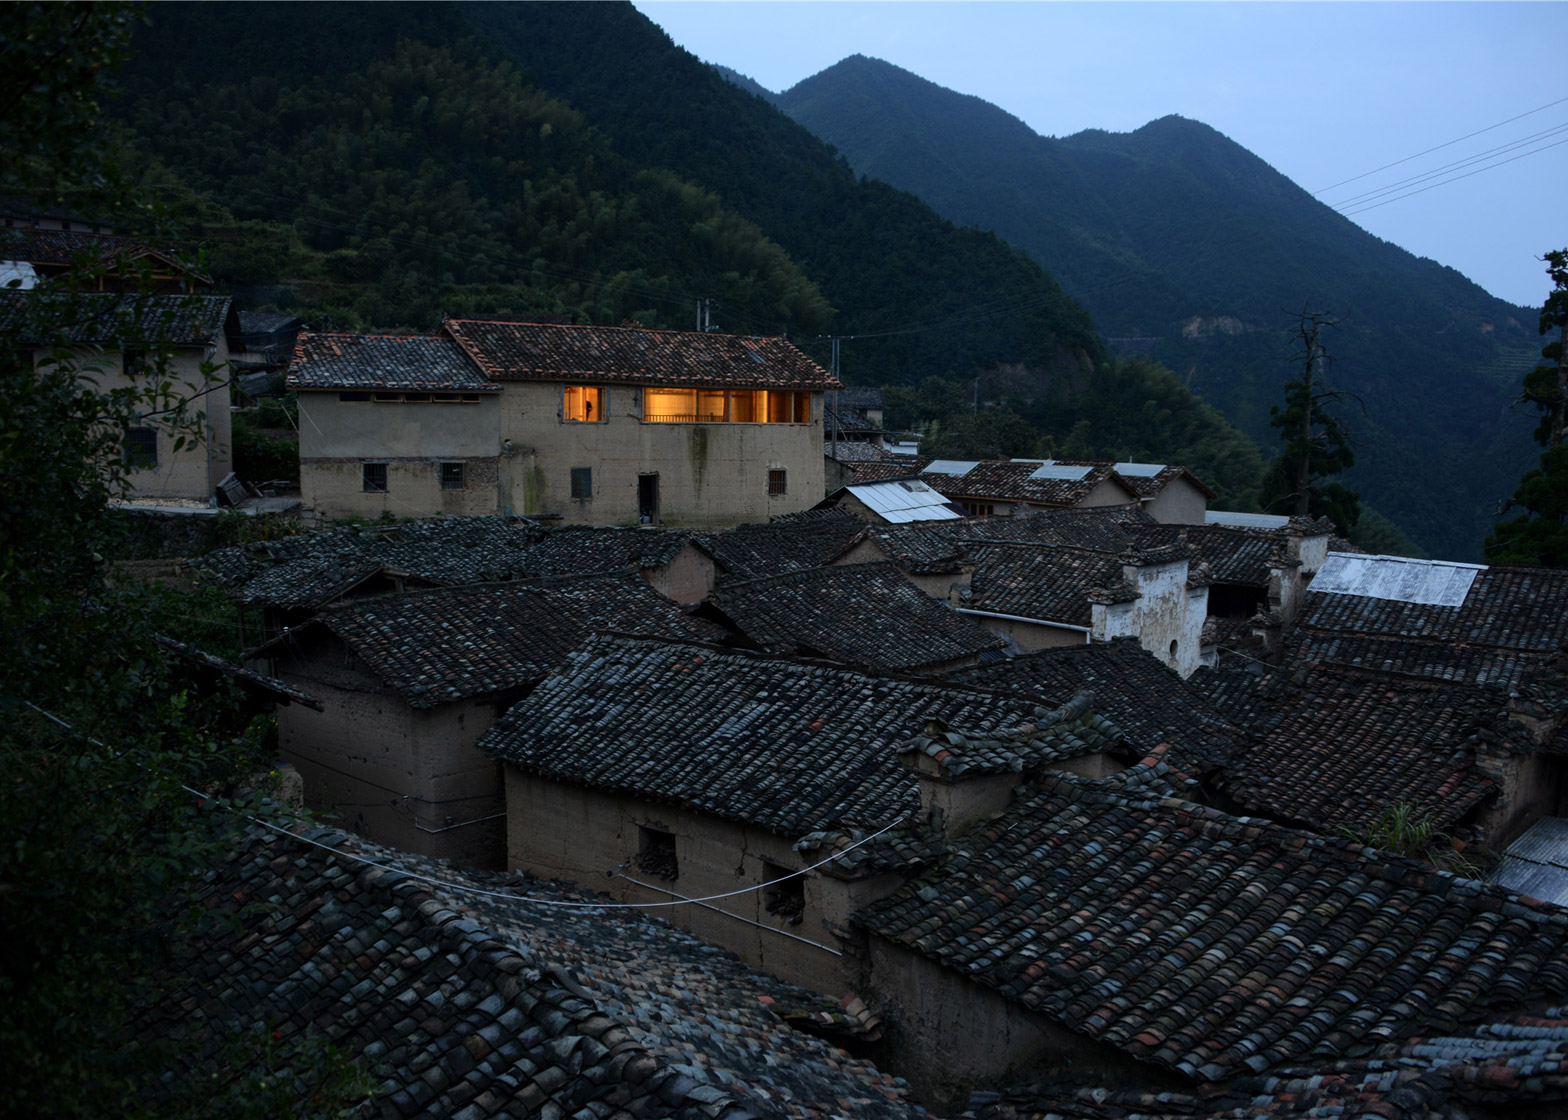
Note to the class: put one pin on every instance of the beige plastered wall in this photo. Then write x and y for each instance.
(1029, 635)
(1166, 611)
(708, 474)
(194, 471)
(685, 579)
(338, 437)
(1178, 503)
(1530, 787)
(560, 830)
(949, 1036)
(407, 778)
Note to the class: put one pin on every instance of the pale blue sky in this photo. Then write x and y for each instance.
(1322, 91)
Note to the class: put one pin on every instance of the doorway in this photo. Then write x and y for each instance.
(648, 499)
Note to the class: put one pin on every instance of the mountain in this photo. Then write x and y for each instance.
(328, 135)
(1185, 246)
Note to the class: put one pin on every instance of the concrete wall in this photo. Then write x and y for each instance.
(948, 1036)
(709, 473)
(1179, 503)
(413, 439)
(559, 830)
(406, 778)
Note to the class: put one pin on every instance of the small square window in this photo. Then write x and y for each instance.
(656, 853)
(776, 482)
(451, 476)
(582, 483)
(375, 478)
(135, 362)
(783, 892)
(141, 448)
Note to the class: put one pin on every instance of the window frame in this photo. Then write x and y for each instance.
(595, 399)
(582, 484)
(778, 482)
(139, 455)
(453, 476)
(368, 478)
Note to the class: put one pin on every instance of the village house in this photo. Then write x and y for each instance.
(607, 425)
(661, 771)
(142, 342)
(408, 685)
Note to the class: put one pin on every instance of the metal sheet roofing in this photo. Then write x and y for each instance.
(1433, 582)
(905, 501)
(1246, 520)
(1536, 864)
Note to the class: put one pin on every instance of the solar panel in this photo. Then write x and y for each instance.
(951, 466)
(1139, 470)
(1056, 472)
(897, 504)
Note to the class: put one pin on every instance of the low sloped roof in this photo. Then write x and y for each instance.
(475, 995)
(635, 355)
(581, 549)
(786, 544)
(117, 320)
(1044, 582)
(324, 360)
(859, 614)
(1213, 945)
(1023, 480)
(437, 646)
(786, 746)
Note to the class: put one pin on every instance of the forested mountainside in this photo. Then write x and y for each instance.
(1187, 247)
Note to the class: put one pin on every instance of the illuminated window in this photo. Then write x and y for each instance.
(451, 476)
(375, 478)
(584, 404)
(776, 481)
(141, 448)
(718, 406)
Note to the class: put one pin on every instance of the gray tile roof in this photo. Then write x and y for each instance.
(1048, 583)
(867, 615)
(118, 321)
(1147, 699)
(1011, 481)
(1212, 945)
(437, 646)
(786, 544)
(579, 549)
(789, 747)
(636, 355)
(467, 1003)
(329, 360)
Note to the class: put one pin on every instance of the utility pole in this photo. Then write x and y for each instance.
(835, 401)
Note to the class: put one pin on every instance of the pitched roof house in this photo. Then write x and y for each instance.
(410, 682)
(693, 772)
(787, 544)
(610, 425)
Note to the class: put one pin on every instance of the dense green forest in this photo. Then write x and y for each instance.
(1189, 249)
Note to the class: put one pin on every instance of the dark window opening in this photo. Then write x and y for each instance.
(1229, 600)
(417, 398)
(777, 482)
(375, 478)
(353, 396)
(451, 476)
(135, 362)
(784, 894)
(647, 499)
(141, 448)
(979, 509)
(656, 853)
(582, 483)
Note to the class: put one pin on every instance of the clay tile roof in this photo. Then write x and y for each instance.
(858, 614)
(790, 747)
(1044, 582)
(1340, 748)
(1107, 528)
(437, 646)
(1146, 698)
(325, 360)
(107, 318)
(1237, 555)
(1010, 481)
(1147, 480)
(1073, 730)
(636, 355)
(580, 549)
(786, 544)
(894, 466)
(62, 247)
(1212, 945)
(468, 1005)
(848, 417)
(924, 548)
(857, 451)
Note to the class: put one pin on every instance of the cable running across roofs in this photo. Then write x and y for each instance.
(480, 891)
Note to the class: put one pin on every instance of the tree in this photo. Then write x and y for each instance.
(1540, 535)
(1301, 482)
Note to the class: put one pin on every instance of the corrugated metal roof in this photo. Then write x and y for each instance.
(1058, 472)
(1440, 583)
(902, 502)
(951, 466)
(1138, 470)
(1536, 864)
(1247, 520)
